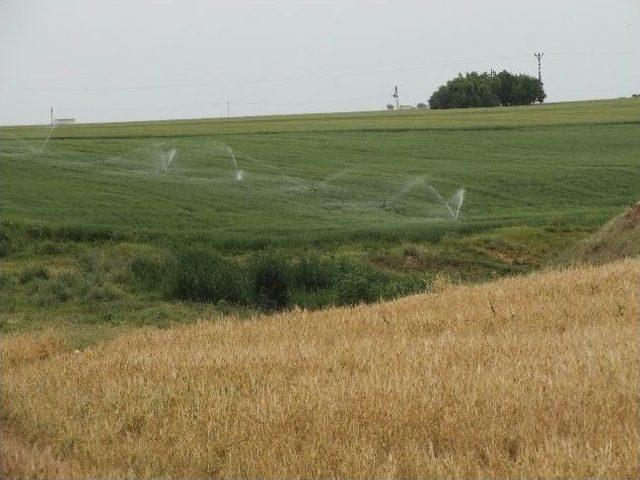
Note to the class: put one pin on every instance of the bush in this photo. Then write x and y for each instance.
(310, 273)
(32, 273)
(204, 277)
(269, 285)
(403, 286)
(355, 283)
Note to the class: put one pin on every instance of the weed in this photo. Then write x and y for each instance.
(49, 247)
(5, 245)
(101, 292)
(310, 273)
(63, 287)
(151, 270)
(32, 273)
(7, 280)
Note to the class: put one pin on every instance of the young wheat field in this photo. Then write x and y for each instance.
(534, 377)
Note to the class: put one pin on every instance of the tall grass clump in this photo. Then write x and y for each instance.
(5, 245)
(34, 272)
(60, 288)
(357, 283)
(151, 270)
(269, 281)
(7, 281)
(201, 276)
(310, 273)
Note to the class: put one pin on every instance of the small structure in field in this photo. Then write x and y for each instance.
(63, 121)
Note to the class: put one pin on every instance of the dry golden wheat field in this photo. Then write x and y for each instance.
(532, 377)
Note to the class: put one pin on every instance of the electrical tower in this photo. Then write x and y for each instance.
(396, 96)
(539, 56)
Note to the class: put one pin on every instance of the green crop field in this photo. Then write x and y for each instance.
(408, 195)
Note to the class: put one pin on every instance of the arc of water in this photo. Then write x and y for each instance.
(278, 171)
(29, 146)
(446, 204)
(460, 196)
(46, 141)
(168, 159)
(408, 186)
(22, 141)
(233, 158)
(332, 177)
(239, 175)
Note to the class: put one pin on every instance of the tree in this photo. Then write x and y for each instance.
(519, 89)
(487, 90)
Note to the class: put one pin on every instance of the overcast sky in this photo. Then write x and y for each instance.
(106, 60)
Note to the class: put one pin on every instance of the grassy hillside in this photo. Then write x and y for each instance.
(620, 238)
(96, 218)
(313, 179)
(526, 377)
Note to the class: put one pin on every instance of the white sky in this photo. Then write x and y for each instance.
(105, 60)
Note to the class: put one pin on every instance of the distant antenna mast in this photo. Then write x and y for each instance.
(396, 96)
(539, 56)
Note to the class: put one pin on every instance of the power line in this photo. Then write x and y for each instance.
(308, 77)
(431, 67)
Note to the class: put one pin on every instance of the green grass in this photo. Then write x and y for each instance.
(354, 186)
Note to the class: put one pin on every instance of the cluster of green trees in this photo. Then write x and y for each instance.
(488, 90)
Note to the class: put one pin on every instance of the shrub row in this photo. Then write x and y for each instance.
(263, 281)
(266, 281)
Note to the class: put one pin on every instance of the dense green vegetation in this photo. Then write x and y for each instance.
(152, 223)
(487, 90)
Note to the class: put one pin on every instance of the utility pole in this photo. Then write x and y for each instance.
(228, 109)
(51, 117)
(539, 56)
(396, 95)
